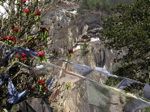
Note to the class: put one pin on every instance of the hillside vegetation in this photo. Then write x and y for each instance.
(102, 5)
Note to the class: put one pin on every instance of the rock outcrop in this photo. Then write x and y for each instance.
(83, 33)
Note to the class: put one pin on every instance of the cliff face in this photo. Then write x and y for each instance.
(83, 33)
(70, 30)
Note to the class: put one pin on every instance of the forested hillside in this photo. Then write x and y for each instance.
(102, 5)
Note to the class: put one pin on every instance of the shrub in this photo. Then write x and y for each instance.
(21, 48)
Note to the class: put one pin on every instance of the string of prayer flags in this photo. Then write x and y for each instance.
(102, 95)
(14, 96)
(135, 104)
(82, 69)
(5, 61)
(50, 82)
(58, 59)
(104, 71)
(86, 70)
(27, 51)
(124, 83)
(146, 91)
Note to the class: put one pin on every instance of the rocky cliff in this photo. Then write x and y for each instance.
(83, 33)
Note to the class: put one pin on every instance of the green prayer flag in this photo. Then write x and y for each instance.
(99, 95)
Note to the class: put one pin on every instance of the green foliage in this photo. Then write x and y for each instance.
(42, 58)
(129, 28)
(68, 85)
(102, 5)
(22, 28)
(84, 49)
(147, 109)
